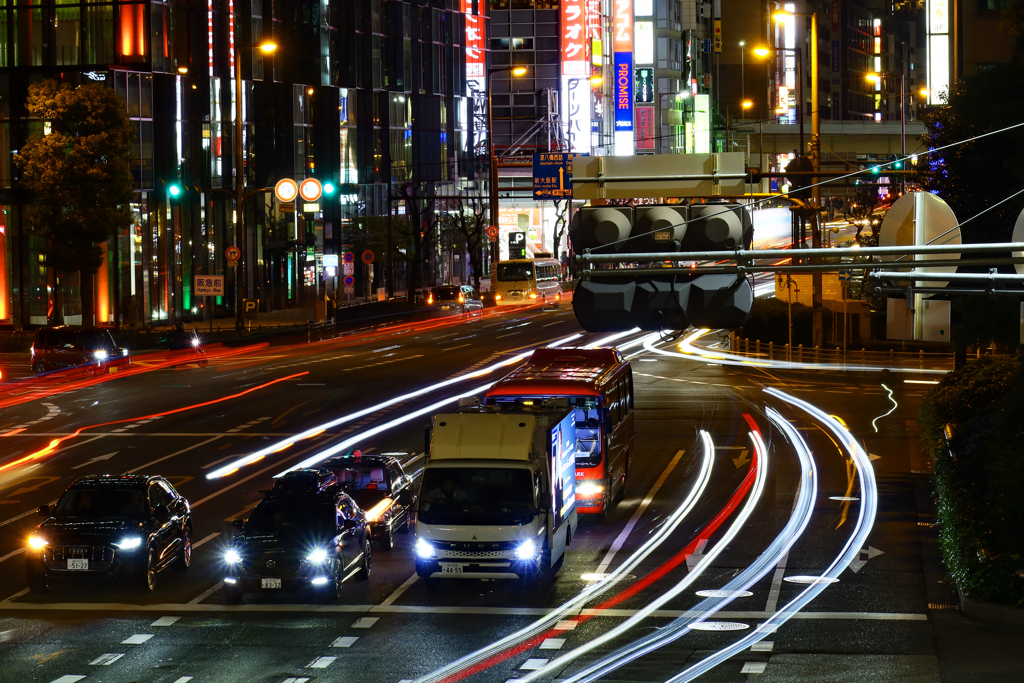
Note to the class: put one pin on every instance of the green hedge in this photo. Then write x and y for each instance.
(979, 476)
(769, 322)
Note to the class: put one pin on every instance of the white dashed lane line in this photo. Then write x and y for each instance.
(137, 639)
(321, 662)
(165, 621)
(106, 659)
(345, 641)
(247, 425)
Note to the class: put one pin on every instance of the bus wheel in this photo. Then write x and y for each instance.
(622, 488)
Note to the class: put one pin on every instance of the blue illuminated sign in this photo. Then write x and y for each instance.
(624, 91)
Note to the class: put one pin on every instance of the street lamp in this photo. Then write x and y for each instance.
(743, 87)
(515, 71)
(816, 283)
(266, 47)
(763, 52)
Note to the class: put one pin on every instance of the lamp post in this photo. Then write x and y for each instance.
(764, 52)
(516, 71)
(818, 325)
(240, 196)
(743, 87)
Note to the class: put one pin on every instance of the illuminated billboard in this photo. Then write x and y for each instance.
(623, 76)
(938, 50)
(643, 46)
(576, 104)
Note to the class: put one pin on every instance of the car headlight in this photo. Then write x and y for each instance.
(99, 355)
(37, 542)
(588, 489)
(424, 550)
(232, 556)
(527, 550)
(317, 556)
(129, 543)
(124, 352)
(195, 342)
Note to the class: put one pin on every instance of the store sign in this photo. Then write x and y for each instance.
(644, 84)
(645, 128)
(476, 36)
(574, 39)
(938, 16)
(623, 91)
(643, 45)
(595, 31)
(938, 50)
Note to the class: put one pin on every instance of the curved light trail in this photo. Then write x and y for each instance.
(756, 475)
(523, 638)
(235, 465)
(737, 587)
(895, 405)
(692, 352)
(856, 541)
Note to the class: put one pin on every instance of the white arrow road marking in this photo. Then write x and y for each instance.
(698, 554)
(858, 563)
(872, 552)
(108, 456)
(872, 456)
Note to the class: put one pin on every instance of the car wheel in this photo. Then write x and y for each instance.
(332, 591)
(184, 557)
(38, 584)
(39, 367)
(387, 539)
(232, 594)
(364, 571)
(149, 571)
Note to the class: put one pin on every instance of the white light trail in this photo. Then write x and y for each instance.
(874, 423)
(692, 352)
(319, 429)
(593, 590)
(762, 467)
(610, 338)
(857, 540)
(737, 587)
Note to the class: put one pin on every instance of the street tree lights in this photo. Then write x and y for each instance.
(267, 48)
(516, 71)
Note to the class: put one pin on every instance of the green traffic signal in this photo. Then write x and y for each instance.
(874, 170)
(329, 188)
(174, 190)
(899, 164)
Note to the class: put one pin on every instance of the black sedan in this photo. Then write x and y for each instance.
(298, 539)
(124, 527)
(379, 486)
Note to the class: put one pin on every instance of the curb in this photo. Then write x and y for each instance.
(985, 611)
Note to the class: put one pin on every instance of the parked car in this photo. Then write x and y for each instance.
(381, 488)
(301, 535)
(69, 346)
(119, 526)
(455, 299)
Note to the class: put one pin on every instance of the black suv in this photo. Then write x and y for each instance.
(120, 526)
(381, 488)
(306, 532)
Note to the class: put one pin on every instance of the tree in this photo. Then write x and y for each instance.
(974, 176)
(79, 174)
(469, 222)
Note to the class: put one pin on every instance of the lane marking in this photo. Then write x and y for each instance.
(552, 644)
(763, 646)
(566, 625)
(390, 600)
(165, 621)
(345, 641)
(365, 622)
(533, 664)
(184, 679)
(183, 450)
(321, 662)
(206, 593)
(628, 529)
(69, 678)
(753, 667)
(106, 659)
(137, 639)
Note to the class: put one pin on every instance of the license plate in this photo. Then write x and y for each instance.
(451, 568)
(270, 583)
(78, 564)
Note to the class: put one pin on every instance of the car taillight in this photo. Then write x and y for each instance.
(497, 297)
(533, 296)
(430, 300)
(462, 299)
(33, 350)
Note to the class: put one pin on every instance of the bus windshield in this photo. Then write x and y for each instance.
(515, 272)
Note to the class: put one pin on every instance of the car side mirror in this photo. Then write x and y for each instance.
(44, 510)
(160, 512)
(349, 524)
(544, 501)
(238, 524)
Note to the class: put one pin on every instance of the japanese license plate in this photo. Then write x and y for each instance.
(451, 568)
(270, 583)
(78, 564)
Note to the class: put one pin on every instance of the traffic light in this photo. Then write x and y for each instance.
(174, 191)
(330, 188)
(177, 192)
(671, 302)
(661, 229)
(896, 163)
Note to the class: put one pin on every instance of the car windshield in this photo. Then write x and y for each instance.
(95, 339)
(95, 503)
(291, 517)
(446, 293)
(515, 272)
(476, 495)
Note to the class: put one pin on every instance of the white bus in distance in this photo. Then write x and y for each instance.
(528, 281)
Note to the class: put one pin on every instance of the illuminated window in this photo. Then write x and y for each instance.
(133, 38)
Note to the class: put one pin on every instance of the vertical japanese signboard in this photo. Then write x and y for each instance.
(622, 47)
(576, 106)
(938, 50)
(476, 60)
(644, 128)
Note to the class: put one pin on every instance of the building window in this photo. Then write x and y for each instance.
(99, 34)
(133, 44)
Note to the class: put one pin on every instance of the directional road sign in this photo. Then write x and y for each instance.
(844, 275)
(232, 253)
(552, 175)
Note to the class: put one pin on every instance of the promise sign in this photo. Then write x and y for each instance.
(623, 50)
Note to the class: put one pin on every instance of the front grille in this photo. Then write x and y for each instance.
(100, 557)
(478, 555)
(474, 546)
(273, 564)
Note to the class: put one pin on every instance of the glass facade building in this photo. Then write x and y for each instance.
(364, 94)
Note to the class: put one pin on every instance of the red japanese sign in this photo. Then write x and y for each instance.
(644, 128)
(476, 41)
(574, 39)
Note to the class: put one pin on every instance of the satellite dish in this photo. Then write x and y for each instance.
(1018, 236)
(919, 219)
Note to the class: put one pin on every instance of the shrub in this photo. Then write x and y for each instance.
(979, 472)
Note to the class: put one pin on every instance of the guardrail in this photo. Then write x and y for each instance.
(755, 349)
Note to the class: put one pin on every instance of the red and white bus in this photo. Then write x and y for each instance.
(598, 384)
